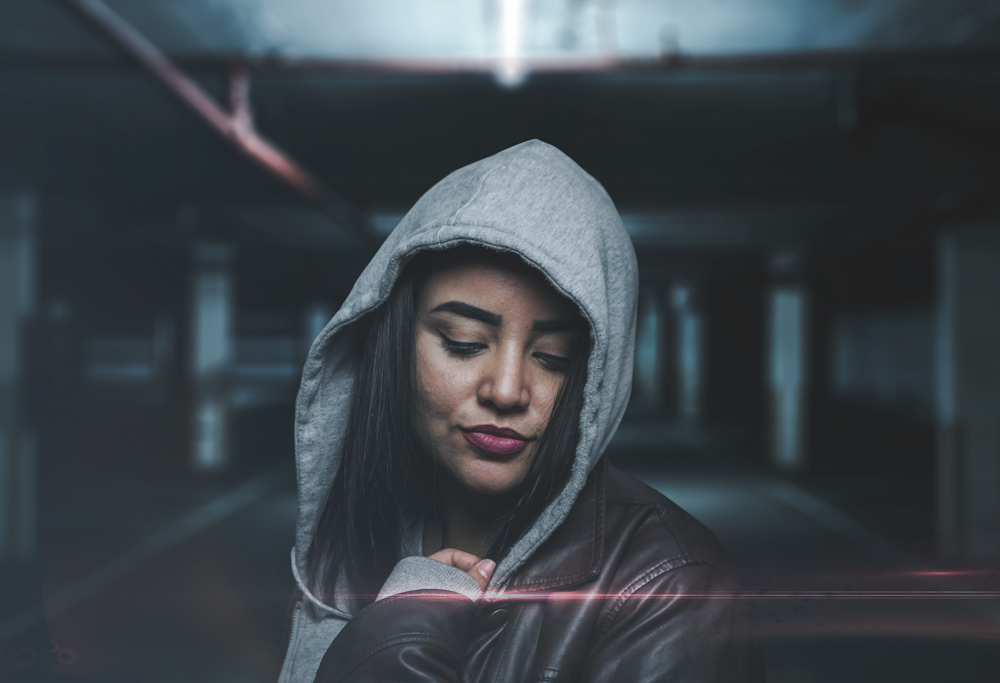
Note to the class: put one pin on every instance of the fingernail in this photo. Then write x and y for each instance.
(486, 568)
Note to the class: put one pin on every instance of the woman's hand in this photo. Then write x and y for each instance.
(480, 570)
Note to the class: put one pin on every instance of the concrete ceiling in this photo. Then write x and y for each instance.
(757, 151)
(470, 28)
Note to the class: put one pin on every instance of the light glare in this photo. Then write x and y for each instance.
(511, 68)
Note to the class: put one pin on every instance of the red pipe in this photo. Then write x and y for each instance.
(235, 126)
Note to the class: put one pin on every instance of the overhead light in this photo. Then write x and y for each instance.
(510, 71)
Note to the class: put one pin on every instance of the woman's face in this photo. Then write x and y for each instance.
(492, 346)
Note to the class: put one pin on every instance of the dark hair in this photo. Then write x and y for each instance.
(384, 477)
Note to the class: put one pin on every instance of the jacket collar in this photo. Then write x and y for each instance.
(573, 554)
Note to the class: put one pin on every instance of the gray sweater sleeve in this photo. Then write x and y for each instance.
(422, 573)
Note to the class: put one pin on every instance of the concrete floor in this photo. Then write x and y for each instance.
(185, 580)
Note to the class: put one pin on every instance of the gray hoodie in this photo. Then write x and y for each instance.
(531, 200)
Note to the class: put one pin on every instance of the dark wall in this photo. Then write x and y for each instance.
(735, 347)
(847, 435)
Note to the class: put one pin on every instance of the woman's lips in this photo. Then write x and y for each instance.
(494, 439)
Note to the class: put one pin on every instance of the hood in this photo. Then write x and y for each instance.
(531, 200)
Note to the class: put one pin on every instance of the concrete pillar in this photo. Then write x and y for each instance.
(648, 370)
(212, 312)
(968, 392)
(787, 349)
(18, 486)
(689, 349)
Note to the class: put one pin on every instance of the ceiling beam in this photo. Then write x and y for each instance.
(235, 126)
(777, 61)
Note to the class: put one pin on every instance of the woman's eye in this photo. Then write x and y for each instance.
(460, 348)
(551, 362)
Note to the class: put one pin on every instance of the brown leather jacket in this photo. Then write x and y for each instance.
(628, 588)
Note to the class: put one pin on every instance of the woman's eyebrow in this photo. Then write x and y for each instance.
(469, 311)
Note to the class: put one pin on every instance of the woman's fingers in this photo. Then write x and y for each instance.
(480, 570)
(456, 558)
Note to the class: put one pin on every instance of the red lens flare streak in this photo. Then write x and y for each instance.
(745, 595)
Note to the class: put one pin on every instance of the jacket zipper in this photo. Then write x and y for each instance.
(291, 642)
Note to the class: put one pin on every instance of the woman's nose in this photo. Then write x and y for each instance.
(505, 386)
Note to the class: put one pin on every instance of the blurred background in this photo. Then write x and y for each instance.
(189, 188)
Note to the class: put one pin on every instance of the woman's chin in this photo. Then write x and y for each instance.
(491, 478)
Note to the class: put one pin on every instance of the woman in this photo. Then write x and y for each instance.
(457, 518)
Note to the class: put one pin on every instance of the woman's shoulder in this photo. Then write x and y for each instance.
(641, 520)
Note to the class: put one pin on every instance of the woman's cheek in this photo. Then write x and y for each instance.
(430, 367)
(546, 393)
(445, 390)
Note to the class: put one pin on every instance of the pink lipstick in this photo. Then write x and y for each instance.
(493, 439)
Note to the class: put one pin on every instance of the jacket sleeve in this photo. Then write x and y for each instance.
(407, 638)
(682, 624)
